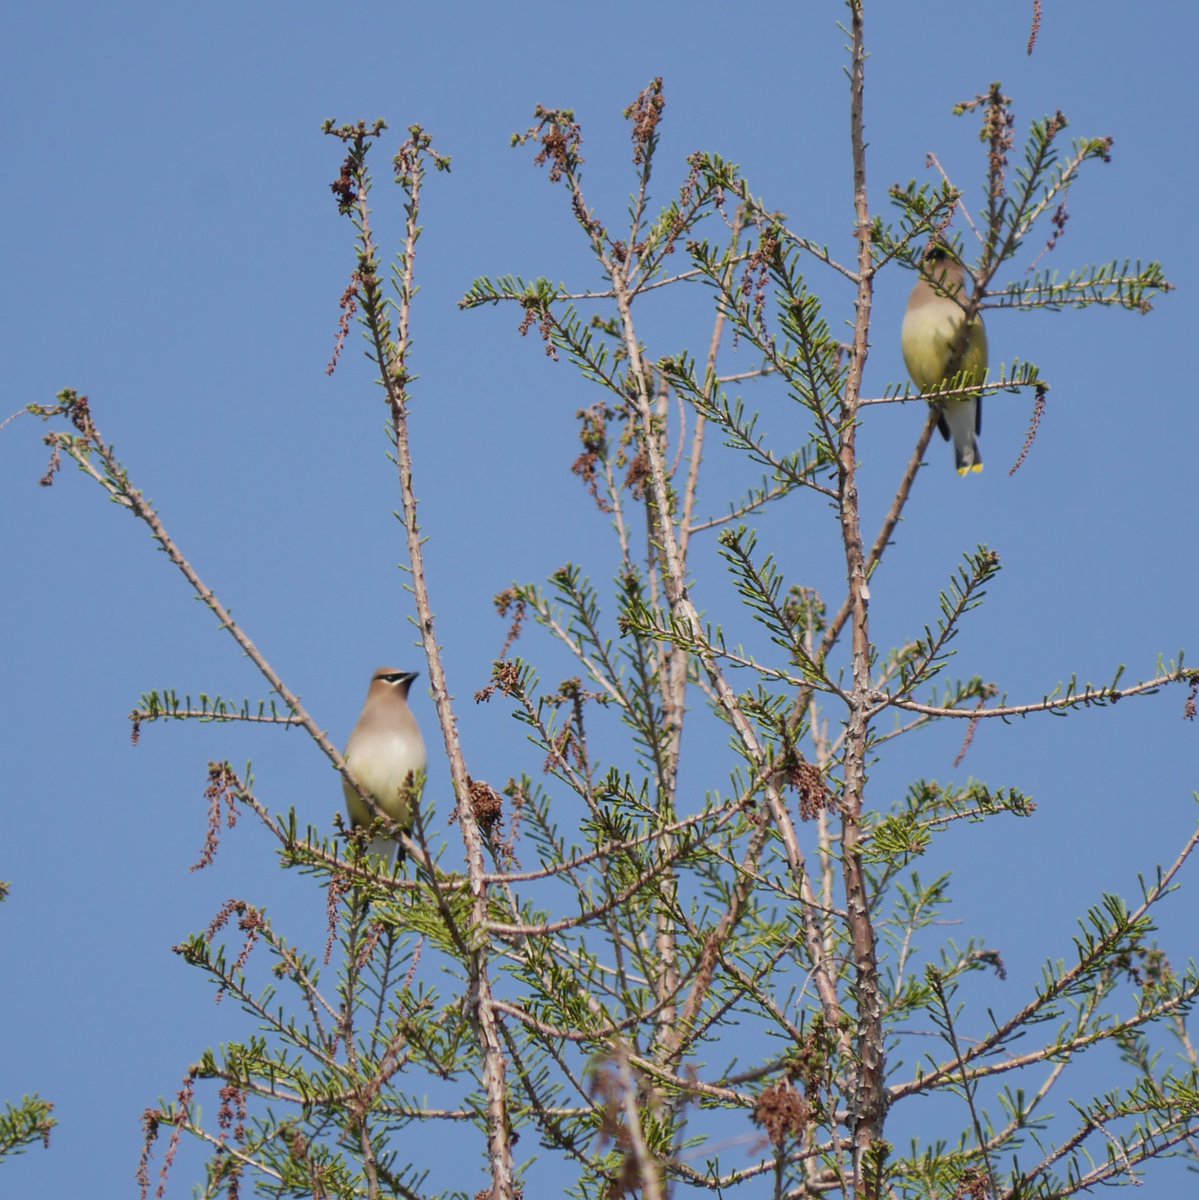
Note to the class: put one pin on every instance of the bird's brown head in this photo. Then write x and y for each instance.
(390, 679)
(942, 269)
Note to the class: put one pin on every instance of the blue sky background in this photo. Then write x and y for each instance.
(170, 247)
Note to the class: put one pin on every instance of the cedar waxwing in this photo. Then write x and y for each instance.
(931, 329)
(385, 753)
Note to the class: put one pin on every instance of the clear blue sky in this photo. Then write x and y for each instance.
(171, 248)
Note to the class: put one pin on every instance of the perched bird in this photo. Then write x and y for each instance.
(385, 753)
(934, 350)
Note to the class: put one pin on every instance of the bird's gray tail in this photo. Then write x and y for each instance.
(388, 849)
(969, 457)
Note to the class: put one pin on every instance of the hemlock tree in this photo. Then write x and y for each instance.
(623, 964)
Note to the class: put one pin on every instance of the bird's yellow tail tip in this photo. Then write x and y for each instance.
(972, 470)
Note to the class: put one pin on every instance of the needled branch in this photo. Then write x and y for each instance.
(868, 1098)
(391, 357)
